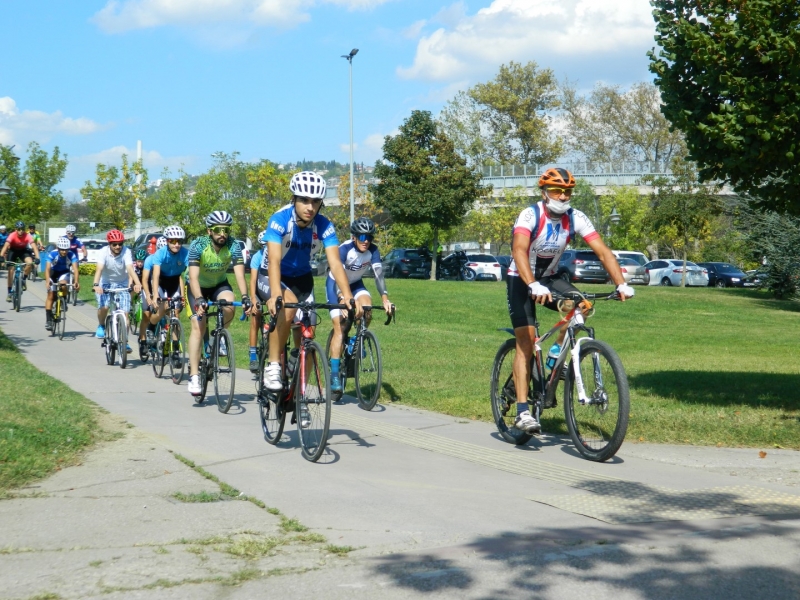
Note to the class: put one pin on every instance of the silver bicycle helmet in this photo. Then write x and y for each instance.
(174, 232)
(362, 225)
(219, 217)
(161, 242)
(71, 229)
(63, 243)
(308, 184)
(262, 238)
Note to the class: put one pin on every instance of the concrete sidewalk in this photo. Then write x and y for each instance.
(434, 505)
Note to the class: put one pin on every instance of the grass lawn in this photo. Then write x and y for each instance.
(706, 366)
(44, 425)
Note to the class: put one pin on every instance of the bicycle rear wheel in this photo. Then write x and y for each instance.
(135, 317)
(73, 297)
(224, 371)
(313, 404)
(122, 341)
(176, 354)
(504, 396)
(270, 405)
(369, 371)
(157, 355)
(202, 372)
(342, 367)
(598, 427)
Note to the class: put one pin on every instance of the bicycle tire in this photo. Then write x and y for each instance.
(54, 322)
(135, 319)
(157, 354)
(368, 371)
(74, 296)
(176, 346)
(316, 399)
(109, 344)
(598, 430)
(342, 366)
(202, 372)
(224, 371)
(503, 396)
(122, 341)
(270, 405)
(17, 292)
(62, 317)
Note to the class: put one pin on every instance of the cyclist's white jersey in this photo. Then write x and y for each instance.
(356, 263)
(546, 248)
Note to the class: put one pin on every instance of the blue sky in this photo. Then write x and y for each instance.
(265, 77)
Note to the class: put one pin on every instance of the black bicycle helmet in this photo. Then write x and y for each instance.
(19, 225)
(362, 225)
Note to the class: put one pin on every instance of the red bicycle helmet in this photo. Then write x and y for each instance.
(115, 235)
(557, 177)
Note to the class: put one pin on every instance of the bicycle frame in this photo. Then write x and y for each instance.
(117, 311)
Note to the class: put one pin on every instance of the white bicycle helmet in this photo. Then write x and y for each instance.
(2, 227)
(219, 217)
(308, 184)
(262, 238)
(63, 243)
(161, 242)
(71, 229)
(175, 232)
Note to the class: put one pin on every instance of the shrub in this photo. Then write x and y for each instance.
(87, 268)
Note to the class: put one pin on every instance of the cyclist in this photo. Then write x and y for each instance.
(356, 256)
(3, 235)
(19, 247)
(255, 321)
(37, 239)
(75, 244)
(209, 259)
(114, 271)
(148, 296)
(59, 263)
(168, 264)
(541, 233)
(294, 234)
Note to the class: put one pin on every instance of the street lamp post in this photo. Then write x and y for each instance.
(349, 58)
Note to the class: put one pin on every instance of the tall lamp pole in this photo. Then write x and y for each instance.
(349, 58)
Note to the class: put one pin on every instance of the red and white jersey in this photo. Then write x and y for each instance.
(19, 242)
(546, 248)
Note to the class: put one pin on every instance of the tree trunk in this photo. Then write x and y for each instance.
(434, 253)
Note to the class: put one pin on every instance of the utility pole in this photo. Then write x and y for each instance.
(349, 58)
(138, 228)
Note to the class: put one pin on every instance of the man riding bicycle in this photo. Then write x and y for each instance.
(37, 238)
(75, 244)
(356, 255)
(20, 247)
(168, 264)
(59, 263)
(541, 234)
(209, 257)
(294, 234)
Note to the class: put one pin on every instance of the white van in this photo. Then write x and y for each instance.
(639, 257)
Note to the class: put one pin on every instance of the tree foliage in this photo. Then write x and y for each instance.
(610, 124)
(774, 239)
(113, 195)
(464, 122)
(729, 75)
(33, 196)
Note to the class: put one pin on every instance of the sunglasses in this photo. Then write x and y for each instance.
(557, 191)
(175, 241)
(115, 244)
(220, 230)
(365, 237)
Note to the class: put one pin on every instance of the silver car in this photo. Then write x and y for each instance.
(633, 272)
(669, 272)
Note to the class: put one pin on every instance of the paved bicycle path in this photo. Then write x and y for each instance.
(439, 506)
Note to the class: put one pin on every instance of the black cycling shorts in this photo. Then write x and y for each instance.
(302, 286)
(19, 255)
(209, 293)
(520, 305)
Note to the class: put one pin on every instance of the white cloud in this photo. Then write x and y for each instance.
(153, 161)
(22, 126)
(118, 16)
(346, 148)
(529, 29)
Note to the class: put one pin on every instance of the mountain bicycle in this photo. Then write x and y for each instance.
(116, 338)
(306, 385)
(16, 284)
(217, 360)
(60, 307)
(362, 360)
(169, 346)
(596, 395)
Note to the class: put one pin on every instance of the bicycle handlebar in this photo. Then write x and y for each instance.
(113, 290)
(390, 314)
(580, 295)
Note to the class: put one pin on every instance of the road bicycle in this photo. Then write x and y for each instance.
(362, 360)
(60, 306)
(16, 284)
(596, 395)
(116, 338)
(169, 345)
(306, 385)
(217, 360)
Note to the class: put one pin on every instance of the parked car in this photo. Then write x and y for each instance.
(722, 274)
(407, 262)
(754, 278)
(639, 257)
(485, 266)
(144, 241)
(669, 272)
(581, 266)
(93, 248)
(505, 262)
(633, 272)
(319, 263)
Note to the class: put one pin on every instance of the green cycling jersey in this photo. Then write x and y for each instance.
(213, 264)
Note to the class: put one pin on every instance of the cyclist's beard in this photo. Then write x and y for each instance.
(221, 243)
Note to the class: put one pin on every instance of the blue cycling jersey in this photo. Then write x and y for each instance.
(171, 264)
(75, 244)
(58, 263)
(255, 262)
(3, 237)
(298, 244)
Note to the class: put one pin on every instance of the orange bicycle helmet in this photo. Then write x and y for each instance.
(557, 177)
(115, 235)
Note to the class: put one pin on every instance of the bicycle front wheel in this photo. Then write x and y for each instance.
(17, 292)
(597, 426)
(224, 370)
(73, 294)
(108, 341)
(270, 405)
(122, 341)
(504, 396)
(157, 354)
(176, 354)
(369, 371)
(313, 402)
(61, 324)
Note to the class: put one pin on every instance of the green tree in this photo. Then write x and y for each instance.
(267, 191)
(774, 239)
(33, 196)
(729, 75)
(423, 179)
(174, 204)
(113, 195)
(632, 232)
(462, 120)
